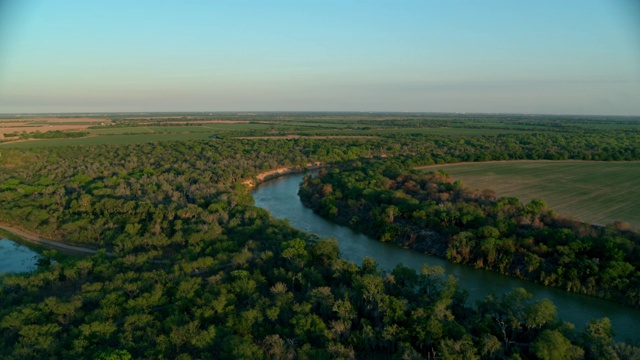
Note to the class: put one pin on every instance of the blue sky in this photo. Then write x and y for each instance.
(560, 57)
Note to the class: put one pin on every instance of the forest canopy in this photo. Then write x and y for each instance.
(200, 272)
(432, 213)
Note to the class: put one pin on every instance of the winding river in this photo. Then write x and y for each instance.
(280, 197)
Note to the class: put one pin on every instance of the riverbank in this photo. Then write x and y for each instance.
(75, 250)
(48, 243)
(280, 197)
(263, 176)
(427, 213)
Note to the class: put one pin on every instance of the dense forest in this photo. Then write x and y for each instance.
(199, 272)
(431, 213)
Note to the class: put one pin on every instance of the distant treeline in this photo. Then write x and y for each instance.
(53, 134)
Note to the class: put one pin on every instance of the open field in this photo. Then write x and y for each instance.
(121, 130)
(52, 119)
(181, 129)
(105, 130)
(595, 192)
(41, 128)
(130, 128)
(207, 127)
(43, 124)
(212, 127)
(100, 140)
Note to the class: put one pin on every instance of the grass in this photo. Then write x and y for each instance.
(141, 134)
(180, 129)
(120, 131)
(100, 140)
(241, 126)
(152, 130)
(595, 192)
(156, 127)
(331, 125)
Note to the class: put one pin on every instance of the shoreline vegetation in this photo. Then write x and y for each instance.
(285, 170)
(69, 249)
(430, 213)
(250, 184)
(434, 246)
(34, 238)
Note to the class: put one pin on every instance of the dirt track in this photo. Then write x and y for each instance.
(65, 248)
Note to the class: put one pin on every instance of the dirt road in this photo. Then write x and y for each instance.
(64, 248)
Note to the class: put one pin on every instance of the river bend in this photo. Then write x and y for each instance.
(279, 196)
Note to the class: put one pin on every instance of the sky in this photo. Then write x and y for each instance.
(490, 56)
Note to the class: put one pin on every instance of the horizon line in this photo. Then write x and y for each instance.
(253, 112)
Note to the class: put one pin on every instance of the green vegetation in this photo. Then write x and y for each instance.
(433, 214)
(229, 125)
(595, 192)
(106, 140)
(180, 129)
(7, 235)
(54, 134)
(119, 130)
(47, 254)
(200, 272)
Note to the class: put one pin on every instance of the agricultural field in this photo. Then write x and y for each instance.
(147, 127)
(120, 130)
(594, 192)
(19, 124)
(103, 140)
(129, 130)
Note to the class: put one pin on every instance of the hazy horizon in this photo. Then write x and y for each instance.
(495, 57)
(259, 112)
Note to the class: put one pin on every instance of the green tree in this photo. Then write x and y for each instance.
(552, 345)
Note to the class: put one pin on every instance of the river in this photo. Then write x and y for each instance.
(280, 197)
(15, 257)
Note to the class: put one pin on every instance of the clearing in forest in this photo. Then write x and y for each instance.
(591, 191)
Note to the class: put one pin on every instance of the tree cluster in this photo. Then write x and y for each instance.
(431, 213)
(53, 134)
